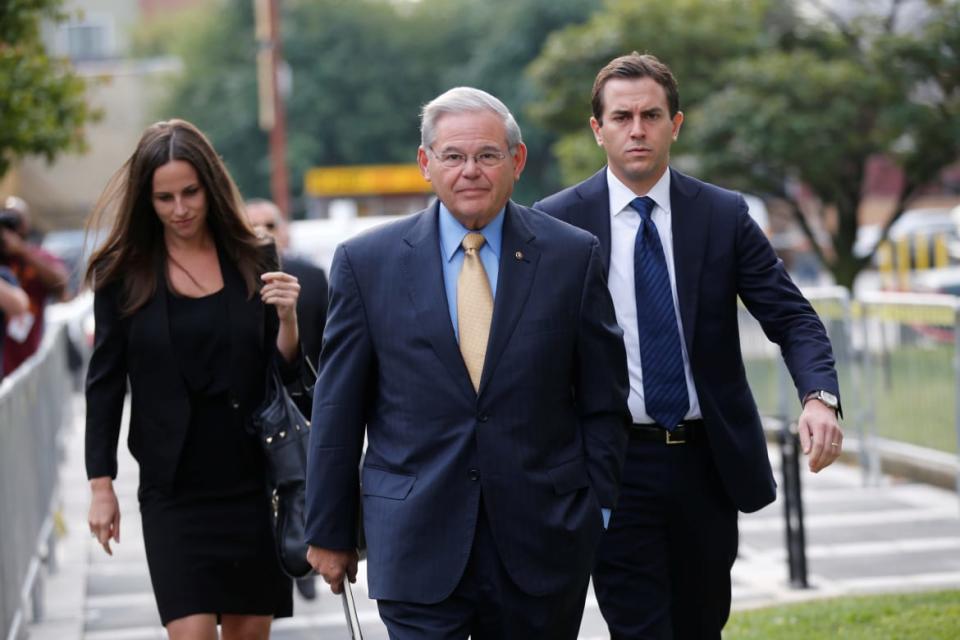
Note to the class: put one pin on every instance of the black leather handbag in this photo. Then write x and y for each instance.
(284, 434)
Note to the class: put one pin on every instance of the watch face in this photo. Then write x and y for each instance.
(829, 399)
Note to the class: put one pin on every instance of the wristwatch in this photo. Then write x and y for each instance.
(825, 397)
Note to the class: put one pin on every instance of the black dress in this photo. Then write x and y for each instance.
(207, 537)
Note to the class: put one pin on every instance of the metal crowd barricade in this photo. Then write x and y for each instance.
(777, 398)
(911, 367)
(34, 402)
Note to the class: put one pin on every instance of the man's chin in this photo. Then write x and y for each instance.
(473, 217)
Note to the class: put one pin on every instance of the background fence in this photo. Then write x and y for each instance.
(34, 404)
(898, 364)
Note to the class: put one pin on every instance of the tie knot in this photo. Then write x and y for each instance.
(644, 206)
(473, 241)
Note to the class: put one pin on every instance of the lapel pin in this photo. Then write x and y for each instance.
(518, 255)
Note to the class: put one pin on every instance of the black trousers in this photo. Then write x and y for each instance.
(488, 605)
(663, 565)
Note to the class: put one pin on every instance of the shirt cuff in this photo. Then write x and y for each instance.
(606, 517)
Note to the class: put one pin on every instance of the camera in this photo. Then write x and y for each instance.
(9, 219)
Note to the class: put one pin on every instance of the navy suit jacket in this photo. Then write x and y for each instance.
(719, 254)
(543, 440)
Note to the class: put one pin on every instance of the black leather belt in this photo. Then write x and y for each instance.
(686, 432)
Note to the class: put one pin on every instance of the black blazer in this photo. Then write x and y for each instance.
(720, 254)
(138, 348)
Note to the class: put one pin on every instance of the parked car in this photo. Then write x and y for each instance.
(317, 239)
(74, 248)
(946, 280)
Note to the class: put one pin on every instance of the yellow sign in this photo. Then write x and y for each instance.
(365, 180)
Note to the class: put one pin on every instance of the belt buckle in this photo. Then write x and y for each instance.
(670, 439)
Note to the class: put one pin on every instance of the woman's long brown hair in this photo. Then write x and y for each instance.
(134, 248)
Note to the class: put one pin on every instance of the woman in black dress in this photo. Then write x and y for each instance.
(191, 310)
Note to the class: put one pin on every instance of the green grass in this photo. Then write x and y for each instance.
(930, 616)
(915, 396)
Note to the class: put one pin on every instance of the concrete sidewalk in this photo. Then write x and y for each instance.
(894, 537)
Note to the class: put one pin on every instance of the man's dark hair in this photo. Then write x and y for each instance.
(632, 66)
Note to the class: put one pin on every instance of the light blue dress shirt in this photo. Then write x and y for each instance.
(451, 254)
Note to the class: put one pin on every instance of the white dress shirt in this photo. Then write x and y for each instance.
(624, 223)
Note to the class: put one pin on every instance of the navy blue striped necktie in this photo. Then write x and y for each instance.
(661, 358)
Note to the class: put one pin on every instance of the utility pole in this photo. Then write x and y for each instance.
(272, 115)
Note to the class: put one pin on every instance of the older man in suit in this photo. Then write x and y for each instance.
(476, 345)
(678, 253)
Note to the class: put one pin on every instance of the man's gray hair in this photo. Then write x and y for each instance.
(465, 100)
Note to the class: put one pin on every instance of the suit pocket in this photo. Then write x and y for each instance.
(384, 484)
(569, 476)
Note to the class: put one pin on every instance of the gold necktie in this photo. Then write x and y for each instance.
(474, 307)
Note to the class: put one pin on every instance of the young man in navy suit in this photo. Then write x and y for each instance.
(476, 346)
(678, 253)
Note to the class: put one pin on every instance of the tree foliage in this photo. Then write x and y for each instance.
(361, 71)
(42, 102)
(780, 103)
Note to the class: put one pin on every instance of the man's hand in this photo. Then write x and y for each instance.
(333, 565)
(820, 434)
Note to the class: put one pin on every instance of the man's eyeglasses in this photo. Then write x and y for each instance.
(455, 159)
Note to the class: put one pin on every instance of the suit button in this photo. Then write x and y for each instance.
(483, 417)
(234, 404)
(474, 474)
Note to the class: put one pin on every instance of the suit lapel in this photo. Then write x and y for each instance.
(690, 231)
(423, 274)
(518, 264)
(594, 211)
(152, 323)
(156, 321)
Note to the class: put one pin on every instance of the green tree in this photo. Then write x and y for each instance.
(217, 87)
(42, 103)
(504, 37)
(813, 116)
(691, 36)
(789, 104)
(361, 71)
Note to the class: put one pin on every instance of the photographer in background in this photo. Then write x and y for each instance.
(13, 303)
(40, 274)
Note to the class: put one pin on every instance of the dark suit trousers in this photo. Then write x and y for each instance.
(663, 566)
(487, 605)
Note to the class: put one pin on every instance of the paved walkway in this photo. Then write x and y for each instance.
(895, 537)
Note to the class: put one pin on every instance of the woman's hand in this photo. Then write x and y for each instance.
(281, 290)
(104, 517)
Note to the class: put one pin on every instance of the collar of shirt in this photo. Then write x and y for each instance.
(621, 196)
(452, 233)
